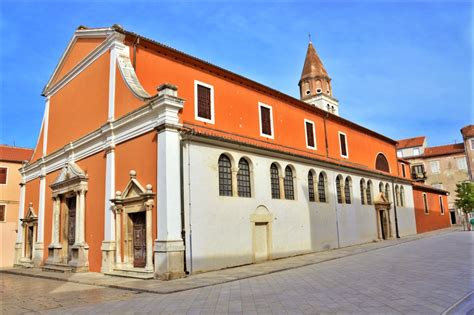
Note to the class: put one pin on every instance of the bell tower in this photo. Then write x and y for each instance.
(315, 83)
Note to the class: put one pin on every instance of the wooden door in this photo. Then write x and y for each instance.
(382, 224)
(139, 239)
(30, 242)
(71, 231)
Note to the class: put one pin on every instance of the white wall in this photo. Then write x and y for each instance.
(219, 230)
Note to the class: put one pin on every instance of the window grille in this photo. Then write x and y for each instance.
(311, 186)
(322, 188)
(347, 190)
(338, 189)
(243, 179)
(369, 192)
(275, 181)
(288, 184)
(225, 176)
(362, 191)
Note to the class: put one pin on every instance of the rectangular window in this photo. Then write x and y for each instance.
(441, 206)
(434, 165)
(266, 121)
(404, 171)
(416, 151)
(3, 175)
(472, 144)
(343, 144)
(2, 213)
(204, 102)
(462, 165)
(440, 186)
(399, 153)
(310, 134)
(425, 203)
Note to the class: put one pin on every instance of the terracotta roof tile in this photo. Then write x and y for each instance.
(411, 142)
(444, 150)
(313, 66)
(15, 154)
(468, 131)
(424, 187)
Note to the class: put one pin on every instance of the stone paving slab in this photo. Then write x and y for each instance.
(221, 276)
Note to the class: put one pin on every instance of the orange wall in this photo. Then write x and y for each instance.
(434, 220)
(94, 166)
(139, 154)
(39, 147)
(32, 195)
(81, 106)
(81, 48)
(125, 101)
(236, 111)
(48, 211)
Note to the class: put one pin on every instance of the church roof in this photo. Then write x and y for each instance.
(313, 66)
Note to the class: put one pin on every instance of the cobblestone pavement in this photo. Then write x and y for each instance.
(425, 276)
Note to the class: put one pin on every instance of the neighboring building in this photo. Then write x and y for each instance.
(441, 166)
(468, 138)
(211, 171)
(430, 208)
(11, 160)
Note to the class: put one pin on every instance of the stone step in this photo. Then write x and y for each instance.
(135, 273)
(57, 268)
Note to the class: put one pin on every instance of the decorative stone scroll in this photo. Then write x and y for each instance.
(384, 224)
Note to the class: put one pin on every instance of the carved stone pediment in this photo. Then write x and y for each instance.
(380, 199)
(72, 177)
(31, 216)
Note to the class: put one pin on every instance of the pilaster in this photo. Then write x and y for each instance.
(21, 211)
(39, 244)
(169, 246)
(108, 244)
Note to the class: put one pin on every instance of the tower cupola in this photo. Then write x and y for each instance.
(315, 83)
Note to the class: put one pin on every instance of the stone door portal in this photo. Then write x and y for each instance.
(261, 241)
(71, 232)
(383, 224)
(139, 239)
(29, 245)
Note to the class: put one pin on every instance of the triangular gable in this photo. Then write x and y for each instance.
(31, 212)
(69, 172)
(83, 43)
(381, 199)
(133, 189)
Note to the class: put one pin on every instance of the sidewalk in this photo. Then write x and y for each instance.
(220, 276)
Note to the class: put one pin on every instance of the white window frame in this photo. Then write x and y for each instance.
(314, 135)
(441, 205)
(400, 153)
(4, 204)
(427, 209)
(260, 104)
(464, 163)
(6, 177)
(196, 116)
(417, 150)
(438, 167)
(472, 143)
(339, 133)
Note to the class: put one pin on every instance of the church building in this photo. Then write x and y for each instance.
(152, 163)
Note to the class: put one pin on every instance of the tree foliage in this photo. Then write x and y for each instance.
(465, 197)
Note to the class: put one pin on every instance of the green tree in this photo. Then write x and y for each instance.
(465, 200)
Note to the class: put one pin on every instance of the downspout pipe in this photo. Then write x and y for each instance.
(395, 208)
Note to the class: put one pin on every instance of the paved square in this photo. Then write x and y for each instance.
(425, 276)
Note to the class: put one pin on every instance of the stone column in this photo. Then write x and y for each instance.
(118, 229)
(55, 248)
(149, 229)
(169, 246)
(39, 244)
(20, 230)
(109, 243)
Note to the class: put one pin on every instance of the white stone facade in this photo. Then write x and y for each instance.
(219, 229)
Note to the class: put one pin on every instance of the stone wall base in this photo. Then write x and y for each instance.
(169, 259)
(108, 256)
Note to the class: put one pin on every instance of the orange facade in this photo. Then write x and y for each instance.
(431, 217)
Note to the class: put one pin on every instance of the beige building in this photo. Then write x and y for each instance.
(11, 159)
(441, 166)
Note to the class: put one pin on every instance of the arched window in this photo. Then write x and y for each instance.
(288, 184)
(381, 163)
(369, 192)
(339, 189)
(243, 179)
(347, 190)
(402, 197)
(322, 187)
(387, 191)
(397, 195)
(362, 191)
(381, 187)
(311, 186)
(275, 181)
(225, 176)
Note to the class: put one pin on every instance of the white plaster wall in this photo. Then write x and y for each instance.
(219, 230)
(406, 214)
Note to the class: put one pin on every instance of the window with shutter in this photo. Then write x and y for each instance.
(204, 102)
(266, 123)
(2, 213)
(343, 144)
(3, 175)
(310, 141)
(381, 163)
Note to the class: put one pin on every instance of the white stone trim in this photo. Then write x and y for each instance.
(21, 209)
(339, 133)
(196, 116)
(272, 136)
(46, 124)
(41, 203)
(109, 218)
(314, 134)
(112, 39)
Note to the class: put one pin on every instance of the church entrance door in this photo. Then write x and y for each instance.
(139, 239)
(71, 231)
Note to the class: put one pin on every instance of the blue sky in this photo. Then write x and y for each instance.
(400, 68)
